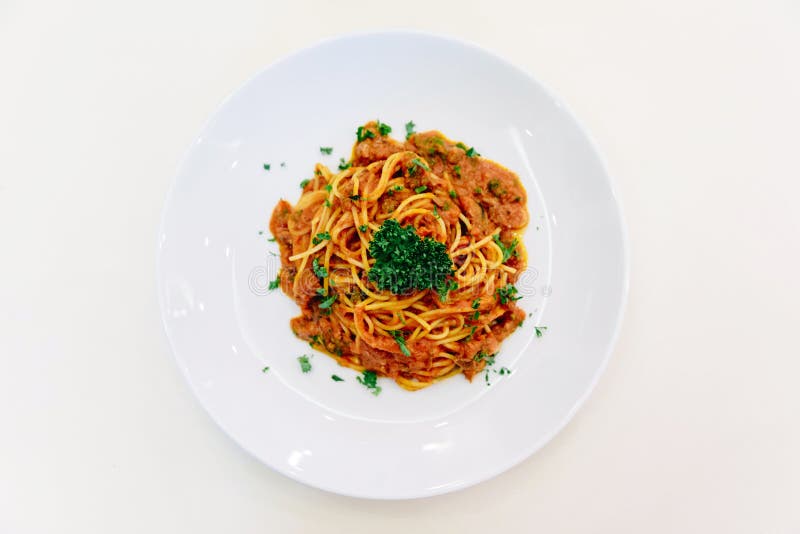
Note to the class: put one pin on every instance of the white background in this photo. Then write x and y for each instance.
(693, 428)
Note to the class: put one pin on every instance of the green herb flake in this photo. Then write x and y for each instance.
(327, 203)
(435, 212)
(328, 188)
(363, 228)
(410, 129)
(478, 191)
(509, 250)
(328, 302)
(416, 164)
(337, 378)
(327, 150)
(363, 133)
(539, 330)
(504, 371)
(315, 340)
(271, 239)
(421, 189)
(265, 369)
(354, 197)
(320, 237)
(305, 363)
(344, 165)
(322, 292)
(369, 379)
(401, 341)
(507, 293)
(319, 270)
(457, 170)
(384, 129)
(304, 183)
(275, 284)
(471, 153)
(476, 315)
(267, 166)
(453, 194)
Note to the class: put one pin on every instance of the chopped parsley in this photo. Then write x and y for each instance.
(275, 284)
(476, 303)
(405, 261)
(410, 129)
(363, 228)
(328, 302)
(305, 363)
(421, 189)
(507, 293)
(267, 166)
(265, 369)
(444, 289)
(328, 188)
(453, 194)
(504, 371)
(319, 270)
(384, 129)
(435, 211)
(539, 330)
(362, 134)
(369, 379)
(322, 292)
(415, 164)
(320, 237)
(478, 191)
(327, 150)
(471, 333)
(401, 341)
(457, 170)
(508, 251)
(304, 183)
(354, 197)
(337, 378)
(271, 239)
(482, 355)
(476, 315)
(315, 340)
(327, 203)
(344, 165)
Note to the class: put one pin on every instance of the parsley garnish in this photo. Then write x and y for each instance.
(322, 292)
(478, 191)
(305, 363)
(476, 303)
(504, 371)
(304, 183)
(337, 378)
(453, 194)
(401, 341)
(471, 153)
(476, 315)
(370, 381)
(445, 288)
(267, 166)
(409, 129)
(507, 293)
(384, 129)
(416, 163)
(508, 251)
(362, 134)
(344, 165)
(327, 203)
(405, 261)
(457, 170)
(275, 284)
(326, 150)
(363, 228)
(265, 369)
(328, 302)
(320, 237)
(328, 188)
(435, 211)
(319, 270)
(471, 332)
(539, 330)
(315, 340)
(421, 189)
(354, 197)
(271, 239)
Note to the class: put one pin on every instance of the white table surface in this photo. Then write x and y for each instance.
(695, 426)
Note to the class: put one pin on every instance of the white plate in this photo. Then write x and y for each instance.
(225, 327)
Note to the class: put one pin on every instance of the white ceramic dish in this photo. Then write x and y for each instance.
(224, 327)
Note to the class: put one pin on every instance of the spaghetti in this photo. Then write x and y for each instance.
(448, 194)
